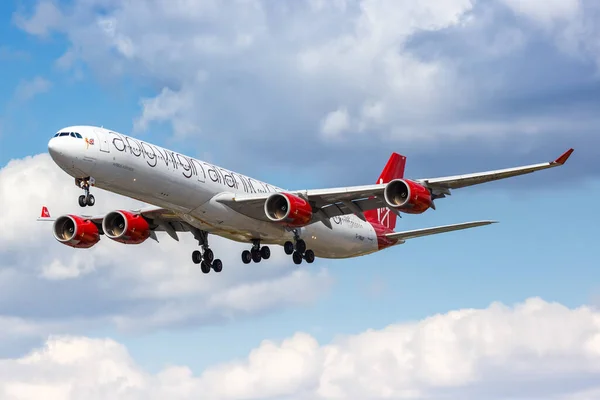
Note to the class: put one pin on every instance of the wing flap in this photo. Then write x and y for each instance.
(438, 229)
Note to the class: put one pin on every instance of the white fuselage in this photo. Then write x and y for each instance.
(190, 188)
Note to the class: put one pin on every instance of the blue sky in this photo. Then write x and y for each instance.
(301, 95)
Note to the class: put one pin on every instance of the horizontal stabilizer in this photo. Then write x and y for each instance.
(45, 215)
(435, 230)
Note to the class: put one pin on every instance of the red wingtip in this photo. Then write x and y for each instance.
(563, 159)
(45, 212)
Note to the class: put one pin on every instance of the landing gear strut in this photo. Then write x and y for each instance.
(256, 254)
(298, 250)
(206, 259)
(86, 199)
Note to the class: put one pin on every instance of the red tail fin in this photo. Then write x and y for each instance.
(394, 169)
(45, 212)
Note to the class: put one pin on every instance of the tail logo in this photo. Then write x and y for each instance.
(45, 212)
(383, 216)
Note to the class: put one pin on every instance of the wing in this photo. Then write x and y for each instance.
(160, 219)
(460, 181)
(328, 203)
(402, 236)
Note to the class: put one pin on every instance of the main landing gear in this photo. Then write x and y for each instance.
(256, 254)
(86, 199)
(206, 259)
(299, 251)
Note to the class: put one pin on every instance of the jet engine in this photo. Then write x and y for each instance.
(289, 209)
(75, 231)
(126, 227)
(407, 196)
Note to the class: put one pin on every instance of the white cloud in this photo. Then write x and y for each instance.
(168, 106)
(44, 19)
(283, 50)
(129, 287)
(335, 123)
(546, 12)
(413, 73)
(26, 90)
(535, 349)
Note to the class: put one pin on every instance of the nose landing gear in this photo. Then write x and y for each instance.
(86, 199)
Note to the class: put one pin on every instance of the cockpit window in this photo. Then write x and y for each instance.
(72, 134)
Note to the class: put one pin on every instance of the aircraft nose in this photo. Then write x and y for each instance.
(53, 148)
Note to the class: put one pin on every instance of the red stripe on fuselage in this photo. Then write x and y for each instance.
(382, 240)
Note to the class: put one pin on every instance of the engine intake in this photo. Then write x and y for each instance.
(289, 209)
(126, 227)
(75, 231)
(407, 196)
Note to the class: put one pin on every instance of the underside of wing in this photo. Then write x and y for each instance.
(401, 236)
(159, 220)
(326, 203)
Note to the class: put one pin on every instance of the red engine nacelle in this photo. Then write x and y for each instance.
(126, 227)
(407, 196)
(75, 231)
(288, 209)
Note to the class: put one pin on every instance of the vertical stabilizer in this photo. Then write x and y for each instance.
(394, 169)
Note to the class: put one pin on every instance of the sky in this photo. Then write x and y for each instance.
(309, 94)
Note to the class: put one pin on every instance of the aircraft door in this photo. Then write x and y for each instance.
(102, 141)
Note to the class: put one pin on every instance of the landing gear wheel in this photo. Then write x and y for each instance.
(82, 202)
(90, 201)
(309, 256)
(196, 257)
(288, 247)
(217, 265)
(256, 255)
(205, 267)
(265, 252)
(246, 257)
(297, 257)
(300, 246)
(208, 256)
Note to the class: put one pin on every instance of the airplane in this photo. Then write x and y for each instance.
(185, 194)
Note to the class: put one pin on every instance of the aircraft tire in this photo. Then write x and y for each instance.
(90, 200)
(309, 256)
(301, 246)
(205, 267)
(265, 252)
(217, 265)
(256, 255)
(297, 257)
(288, 247)
(208, 256)
(196, 257)
(246, 257)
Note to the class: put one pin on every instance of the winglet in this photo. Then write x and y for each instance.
(563, 159)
